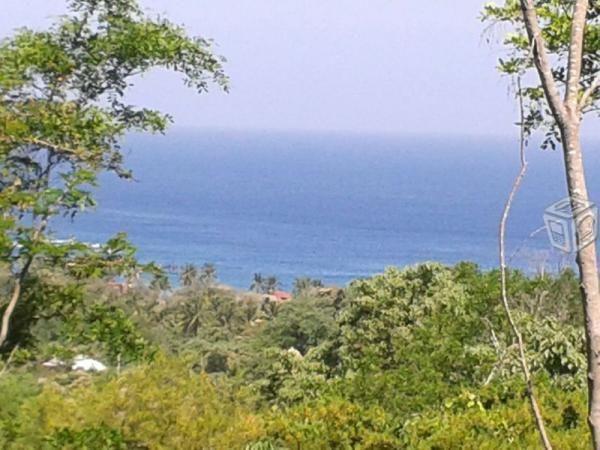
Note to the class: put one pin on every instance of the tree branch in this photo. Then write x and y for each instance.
(588, 93)
(539, 420)
(39, 143)
(18, 288)
(14, 299)
(542, 60)
(575, 56)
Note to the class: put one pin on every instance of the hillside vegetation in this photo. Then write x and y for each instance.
(418, 357)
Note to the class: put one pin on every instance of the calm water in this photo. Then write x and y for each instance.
(330, 206)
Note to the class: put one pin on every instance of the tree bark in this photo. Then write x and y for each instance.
(9, 311)
(14, 299)
(587, 262)
(567, 114)
(18, 287)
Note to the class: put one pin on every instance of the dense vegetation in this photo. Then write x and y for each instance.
(417, 357)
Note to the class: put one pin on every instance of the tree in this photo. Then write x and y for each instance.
(306, 284)
(262, 285)
(160, 282)
(189, 274)
(62, 114)
(301, 324)
(208, 275)
(271, 285)
(211, 311)
(558, 39)
(384, 312)
(257, 283)
(192, 314)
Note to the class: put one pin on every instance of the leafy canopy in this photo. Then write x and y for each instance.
(63, 112)
(555, 19)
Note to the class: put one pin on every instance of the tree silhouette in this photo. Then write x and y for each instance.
(306, 284)
(271, 285)
(208, 275)
(189, 275)
(257, 284)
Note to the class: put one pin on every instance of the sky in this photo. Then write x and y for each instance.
(367, 66)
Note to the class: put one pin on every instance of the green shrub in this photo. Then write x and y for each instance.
(332, 423)
(163, 405)
(97, 438)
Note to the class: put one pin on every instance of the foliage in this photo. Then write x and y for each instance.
(100, 438)
(288, 377)
(306, 285)
(62, 114)
(264, 285)
(61, 317)
(161, 405)
(334, 423)
(382, 312)
(301, 324)
(313, 375)
(499, 417)
(555, 23)
(15, 390)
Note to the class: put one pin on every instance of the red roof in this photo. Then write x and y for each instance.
(282, 295)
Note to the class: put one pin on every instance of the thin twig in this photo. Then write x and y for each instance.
(498, 349)
(539, 421)
(524, 242)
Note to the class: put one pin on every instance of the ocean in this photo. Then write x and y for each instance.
(331, 206)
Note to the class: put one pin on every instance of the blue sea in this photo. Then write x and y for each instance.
(326, 205)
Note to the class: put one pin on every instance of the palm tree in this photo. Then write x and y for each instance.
(191, 315)
(258, 283)
(271, 285)
(306, 284)
(188, 275)
(160, 282)
(208, 274)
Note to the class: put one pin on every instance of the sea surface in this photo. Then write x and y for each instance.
(326, 205)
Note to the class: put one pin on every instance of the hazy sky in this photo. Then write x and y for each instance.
(361, 65)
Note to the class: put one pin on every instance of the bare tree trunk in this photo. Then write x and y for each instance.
(567, 113)
(587, 263)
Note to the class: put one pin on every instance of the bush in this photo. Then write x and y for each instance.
(332, 423)
(162, 405)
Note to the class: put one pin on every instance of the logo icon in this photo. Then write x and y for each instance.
(572, 224)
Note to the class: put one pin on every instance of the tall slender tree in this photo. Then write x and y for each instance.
(559, 41)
